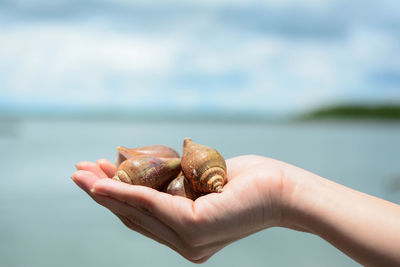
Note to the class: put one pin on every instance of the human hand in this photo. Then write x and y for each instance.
(251, 201)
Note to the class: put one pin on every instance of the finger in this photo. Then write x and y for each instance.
(144, 232)
(85, 180)
(149, 223)
(157, 230)
(91, 167)
(107, 167)
(173, 211)
(128, 223)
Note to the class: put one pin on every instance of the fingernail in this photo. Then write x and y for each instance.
(93, 191)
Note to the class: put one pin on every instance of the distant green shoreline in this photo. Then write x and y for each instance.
(390, 112)
(339, 112)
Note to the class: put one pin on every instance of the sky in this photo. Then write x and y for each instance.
(263, 57)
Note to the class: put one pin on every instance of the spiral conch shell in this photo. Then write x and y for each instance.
(203, 166)
(154, 150)
(154, 172)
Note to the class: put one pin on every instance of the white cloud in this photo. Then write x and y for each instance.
(44, 60)
(201, 63)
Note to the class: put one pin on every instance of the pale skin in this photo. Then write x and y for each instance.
(260, 193)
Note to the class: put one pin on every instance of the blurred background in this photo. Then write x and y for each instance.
(310, 82)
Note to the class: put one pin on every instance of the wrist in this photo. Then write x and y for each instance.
(301, 195)
(362, 226)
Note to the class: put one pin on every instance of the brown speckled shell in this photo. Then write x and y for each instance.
(124, 153)
(203, 166)
(181, 187)
(153, 172)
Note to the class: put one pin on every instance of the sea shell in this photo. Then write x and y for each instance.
(181, 187)
(203, 166)
(149, 171)
(162, 151)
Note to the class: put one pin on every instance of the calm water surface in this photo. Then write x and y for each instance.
(47, 221)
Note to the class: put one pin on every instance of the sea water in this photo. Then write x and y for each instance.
(46, 220)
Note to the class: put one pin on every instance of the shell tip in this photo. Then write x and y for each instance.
(187, 141)
(219, 189)
(122, 149)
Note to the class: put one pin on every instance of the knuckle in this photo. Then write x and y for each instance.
(194, 255)
(199, 261)
(202, 260)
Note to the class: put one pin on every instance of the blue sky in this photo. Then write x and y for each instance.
(274, 57)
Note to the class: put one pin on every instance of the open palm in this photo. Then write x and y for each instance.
(196, 229)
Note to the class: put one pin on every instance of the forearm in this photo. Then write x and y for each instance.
(364, 227)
